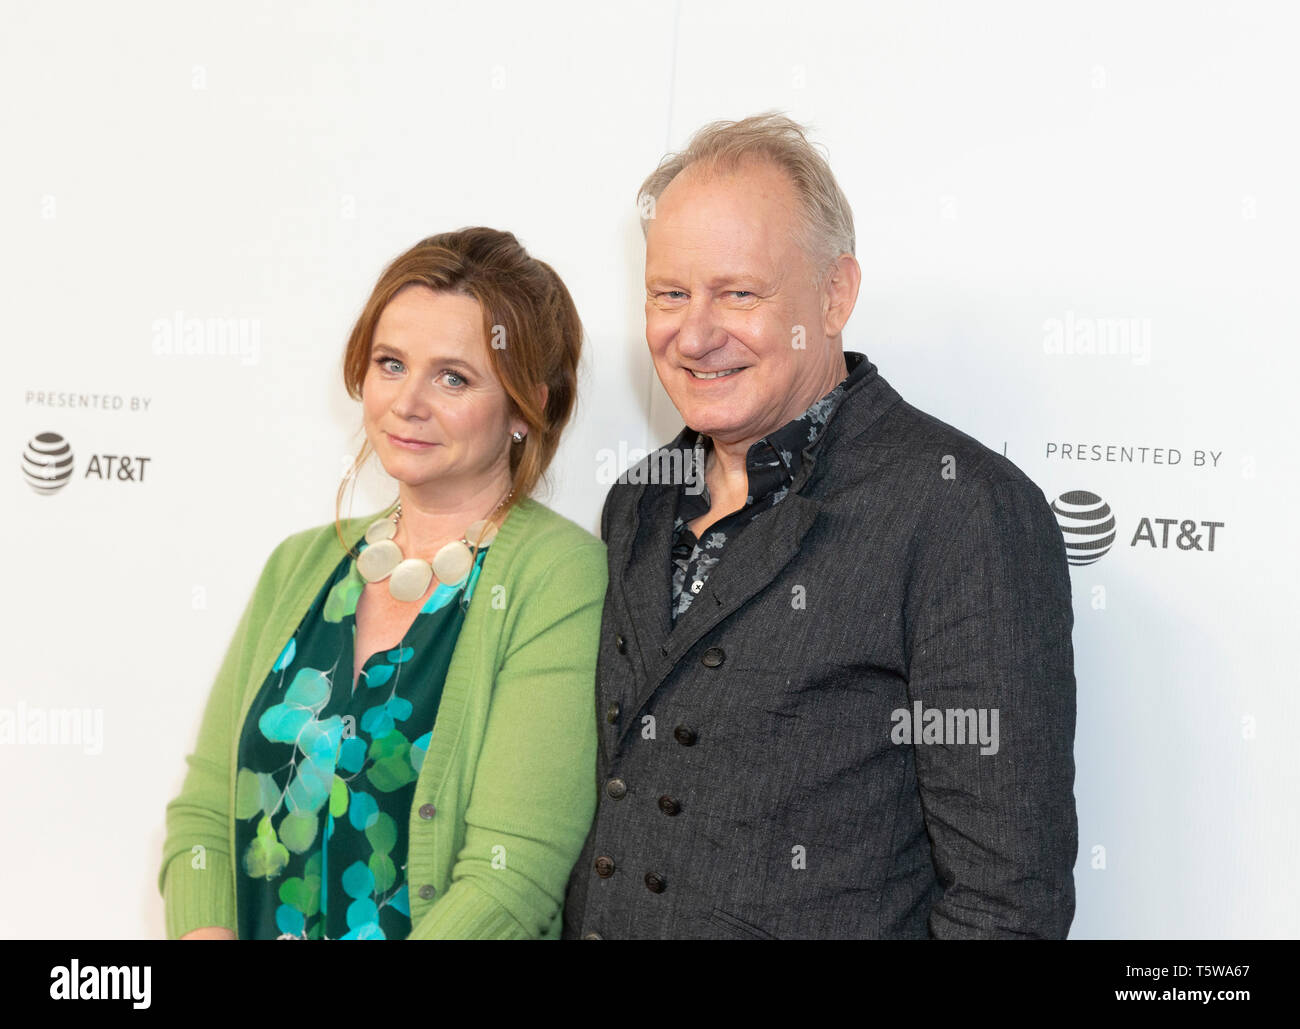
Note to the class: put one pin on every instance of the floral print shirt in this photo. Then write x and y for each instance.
(772, 464)
(327, 769)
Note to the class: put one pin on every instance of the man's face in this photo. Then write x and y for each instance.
(729, 290)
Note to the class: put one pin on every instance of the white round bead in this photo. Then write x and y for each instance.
(378, 560)
(452, 563)
(410, 579)
(472, 532)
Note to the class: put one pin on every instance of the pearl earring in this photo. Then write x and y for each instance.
(518, 437)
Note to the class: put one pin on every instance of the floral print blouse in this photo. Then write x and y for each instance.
(327, 769)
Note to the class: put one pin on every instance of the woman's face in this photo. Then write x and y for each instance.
(434, 412)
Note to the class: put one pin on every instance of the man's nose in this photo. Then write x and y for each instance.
(697, 332)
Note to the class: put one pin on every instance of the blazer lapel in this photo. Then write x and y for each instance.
(645, 578)
(751, 561)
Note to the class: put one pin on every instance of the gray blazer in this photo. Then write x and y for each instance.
(750, 777)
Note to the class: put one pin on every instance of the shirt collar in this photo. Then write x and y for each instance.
(774, 461)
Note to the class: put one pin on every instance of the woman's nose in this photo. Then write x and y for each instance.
(413, 400)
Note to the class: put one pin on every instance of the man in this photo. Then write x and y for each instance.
(835, 689)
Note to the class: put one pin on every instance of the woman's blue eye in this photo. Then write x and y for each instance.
(394, 367)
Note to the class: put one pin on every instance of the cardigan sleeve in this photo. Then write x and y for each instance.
(534, 791)
(196, 878)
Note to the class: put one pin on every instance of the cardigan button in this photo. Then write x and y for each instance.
(427, 891)
(612, 713)
(427, 810)
(668, 805)
(655, 883)
(620, 644)
(713, 657)
(604, 867)
(686, 737)
(616, 788)
(592, 936)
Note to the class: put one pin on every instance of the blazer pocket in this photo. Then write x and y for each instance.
(736, 927)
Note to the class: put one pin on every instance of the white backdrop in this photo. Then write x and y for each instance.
(1077, 225)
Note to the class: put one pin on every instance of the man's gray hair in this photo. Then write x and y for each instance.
(827, 229)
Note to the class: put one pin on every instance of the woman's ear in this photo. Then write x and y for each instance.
(517, 424)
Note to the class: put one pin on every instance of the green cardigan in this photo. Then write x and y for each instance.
(511, 768)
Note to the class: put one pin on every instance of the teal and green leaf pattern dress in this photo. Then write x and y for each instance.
(327, 769)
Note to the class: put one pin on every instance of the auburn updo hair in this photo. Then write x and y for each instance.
(526, 307)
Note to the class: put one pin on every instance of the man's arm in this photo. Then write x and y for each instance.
(992, 633)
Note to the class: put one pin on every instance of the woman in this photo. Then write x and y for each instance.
(401, 739)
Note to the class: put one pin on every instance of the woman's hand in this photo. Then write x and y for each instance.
(211, 932)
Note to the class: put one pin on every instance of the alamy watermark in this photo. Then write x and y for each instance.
(101, 982)
(946, 726)
(181, 336)
(1098, 337)
(665, 466)
(83, 727)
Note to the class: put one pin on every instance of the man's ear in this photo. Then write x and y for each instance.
(840, 294)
